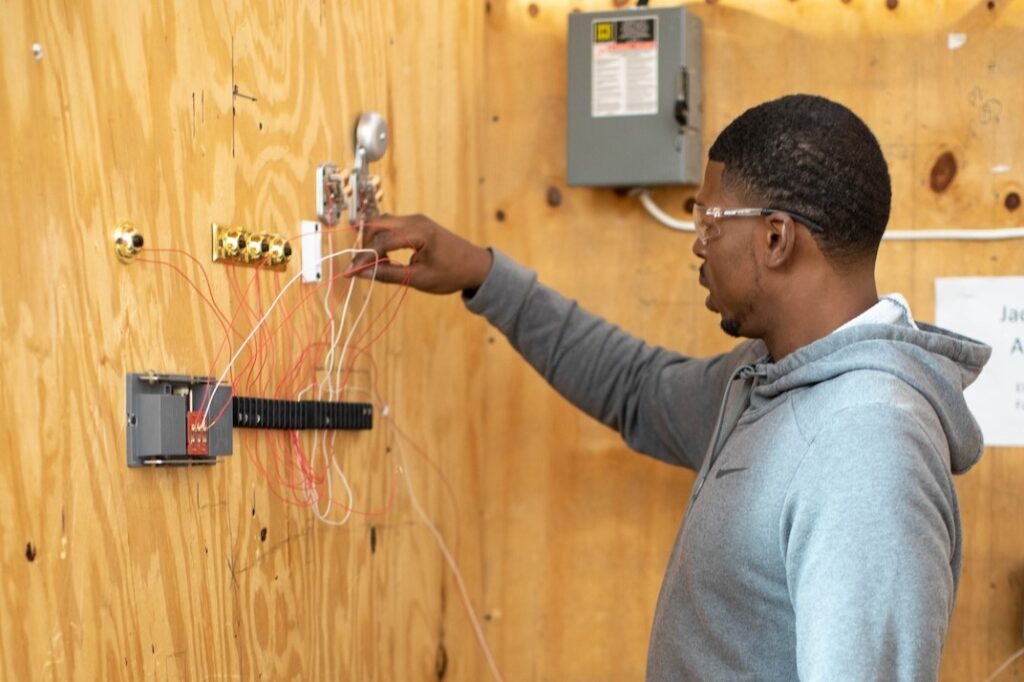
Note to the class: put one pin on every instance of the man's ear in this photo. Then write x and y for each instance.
(780, 240)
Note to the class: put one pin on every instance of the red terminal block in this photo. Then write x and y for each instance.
(196, 438)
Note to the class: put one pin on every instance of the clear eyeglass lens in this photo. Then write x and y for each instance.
(703, 222)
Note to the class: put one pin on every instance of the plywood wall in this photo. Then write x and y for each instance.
(173, 116)
(178, 116)
(578, 529)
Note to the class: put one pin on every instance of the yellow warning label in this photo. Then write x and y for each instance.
(604, 32)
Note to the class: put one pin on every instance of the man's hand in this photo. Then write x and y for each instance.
(441, 262)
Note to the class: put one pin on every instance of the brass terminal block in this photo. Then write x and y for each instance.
(127, 242)
(242, 247)
(280, 250)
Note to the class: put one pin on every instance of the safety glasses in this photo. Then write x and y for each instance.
(706, 219)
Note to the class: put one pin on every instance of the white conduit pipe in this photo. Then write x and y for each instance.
(985, 234)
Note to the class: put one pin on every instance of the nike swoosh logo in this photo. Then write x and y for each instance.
(726, 472)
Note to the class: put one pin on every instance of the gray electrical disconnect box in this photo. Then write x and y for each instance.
(158, 430)
(635, 108)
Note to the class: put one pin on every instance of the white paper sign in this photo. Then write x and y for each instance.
(991, 310)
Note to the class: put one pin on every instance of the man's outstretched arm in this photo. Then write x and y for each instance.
(662, 403)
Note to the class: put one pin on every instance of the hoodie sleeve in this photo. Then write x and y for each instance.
(868, 535)
(662, 403)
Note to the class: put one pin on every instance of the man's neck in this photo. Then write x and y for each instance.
(816, 311)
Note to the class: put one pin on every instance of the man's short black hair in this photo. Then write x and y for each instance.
(815, 157)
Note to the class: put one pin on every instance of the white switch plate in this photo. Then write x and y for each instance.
(312, 251)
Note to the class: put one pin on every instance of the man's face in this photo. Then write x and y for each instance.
(729, 269)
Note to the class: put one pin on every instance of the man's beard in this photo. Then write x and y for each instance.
(731, 326)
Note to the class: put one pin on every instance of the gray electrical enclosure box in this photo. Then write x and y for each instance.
(635, 108)
(158, 408)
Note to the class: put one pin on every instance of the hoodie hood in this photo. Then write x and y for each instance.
(935, 362)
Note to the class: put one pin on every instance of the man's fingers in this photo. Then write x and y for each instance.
(387, 221)
(389, 273)
(362, 259)
(381, 241)
(386, 240)
(388, 233)
(397, 232)
(371, 229)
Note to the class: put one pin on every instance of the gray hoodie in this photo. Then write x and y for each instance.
(822, 539)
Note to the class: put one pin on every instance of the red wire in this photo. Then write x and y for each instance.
(262, 357)
(333, 501)
(284, 470)
(421, 452)
(275, 358)
(220, 316)
(359, 349)
(202, 269)
(271, 334)
(266, 475)
(287, 319)
(289, 378)
(243, 307)
(213, 306)
(238, 311)
(440, 473)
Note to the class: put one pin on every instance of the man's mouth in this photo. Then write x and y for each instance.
(704, 283)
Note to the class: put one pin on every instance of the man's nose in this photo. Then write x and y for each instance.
(698, 248)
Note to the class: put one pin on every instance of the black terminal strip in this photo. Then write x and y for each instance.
(300, 415)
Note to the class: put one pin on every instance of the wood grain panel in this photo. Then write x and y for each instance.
(578, 530)
(133, 113)
(175, 116)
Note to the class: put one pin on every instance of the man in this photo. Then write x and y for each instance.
(822, 539)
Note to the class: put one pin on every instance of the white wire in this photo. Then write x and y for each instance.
(263, 319)
(464, 593)
(979, 234)
(335, 338)
(442, 545)
(351, 332)
(451, 562)
(320, 438)
(328, 452)
(348, 341)
(662, 217)
(329, 287)
(1004, 666)
(986, 234)
(359, 317)
(311, 494)
(336, 334)
(321, 448)
(329, 359)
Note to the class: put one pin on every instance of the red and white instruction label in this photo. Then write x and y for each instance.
(624, 67)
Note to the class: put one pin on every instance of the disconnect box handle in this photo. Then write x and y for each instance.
(682, 106)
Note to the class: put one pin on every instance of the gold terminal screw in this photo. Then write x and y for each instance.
(241, 246)
(127, 242)
(280, 251)
(233, 242)
(255, 246)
